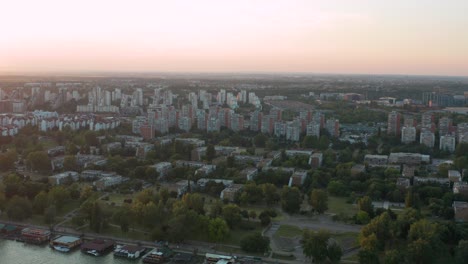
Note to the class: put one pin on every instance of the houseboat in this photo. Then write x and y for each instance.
(158, 256)
(130, 252)
(11, 232)
(97, 247)
(182, 258)
(65, 243)
(35, 235)
(218, 259)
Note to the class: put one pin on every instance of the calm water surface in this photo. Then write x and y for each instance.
(12, 252)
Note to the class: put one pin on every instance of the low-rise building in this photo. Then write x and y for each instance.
(249, 173)
(376, 160)
(298, 178)
(64, 177)
(109, 181)
(408, 158)
(316, 160)
(454, 176)
(424, 180)
(403, 183)
(461, 188)
(162, 168)
(461, 211)
(229, 193)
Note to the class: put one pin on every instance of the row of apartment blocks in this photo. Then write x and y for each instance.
(11, 123)
(101, 179)
(449, 134)
(399, 158)
(161, 118)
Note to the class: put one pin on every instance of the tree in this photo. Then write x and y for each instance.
(315, 245)
(420, 251)
(69, 163)
(380, 227)
(210, 152)
(423, 229)
(270, 193)
(40, 202)
(195, 202)
(49, 214)
(265, 218)
(255, 243)
(122, 218)
(3, 201)
(393, 257)
(231, 214)
(90, 138)
(291, 199)
(260, 140)
(334, 252)
(19, 208)
(39, 161)
(365, 204)
(96, 218)
(461, 253)
(58, 195)
(218, 229)
(252, 214)
(368, 257)
(7, 160)
(362, 218)
(319, 200)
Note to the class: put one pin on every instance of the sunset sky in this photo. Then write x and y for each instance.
(348, 36)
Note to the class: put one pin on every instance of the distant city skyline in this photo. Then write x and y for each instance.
(352, 37)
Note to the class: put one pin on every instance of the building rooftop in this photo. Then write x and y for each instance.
(66, 239)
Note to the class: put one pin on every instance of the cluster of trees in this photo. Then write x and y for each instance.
(320, 247)
(409, 238)
(172, 219)
(21, 198)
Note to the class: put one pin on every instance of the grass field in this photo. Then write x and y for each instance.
(288, 231)
(338, 205)
(346, 240)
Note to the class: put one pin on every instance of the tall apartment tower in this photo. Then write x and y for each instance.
(394, 123)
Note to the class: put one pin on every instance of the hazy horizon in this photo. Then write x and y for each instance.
(260, 37)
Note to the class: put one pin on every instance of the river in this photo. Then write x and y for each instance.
(12, 252)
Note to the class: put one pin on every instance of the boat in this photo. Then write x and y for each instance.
(130, 252)
(61, 248)
(97, 247)
(65, 243)
(158, 256)
(93, 252)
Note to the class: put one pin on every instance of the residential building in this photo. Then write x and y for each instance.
(162, 168)
(408, 134)
(229, 193)
(376, 160)
(454, 176)
(394, 123)
(297, 178)
(316, 160)
(461, 211)
(447, 143)
(427, 138)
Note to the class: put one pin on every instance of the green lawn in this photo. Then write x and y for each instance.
(346, 240)
(115, 231)
(235, 250)
(68, 207)
(338, 205)
(288, 231)
(283, 257)
(235, 235)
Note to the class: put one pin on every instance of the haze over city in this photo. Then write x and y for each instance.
(371, 37)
